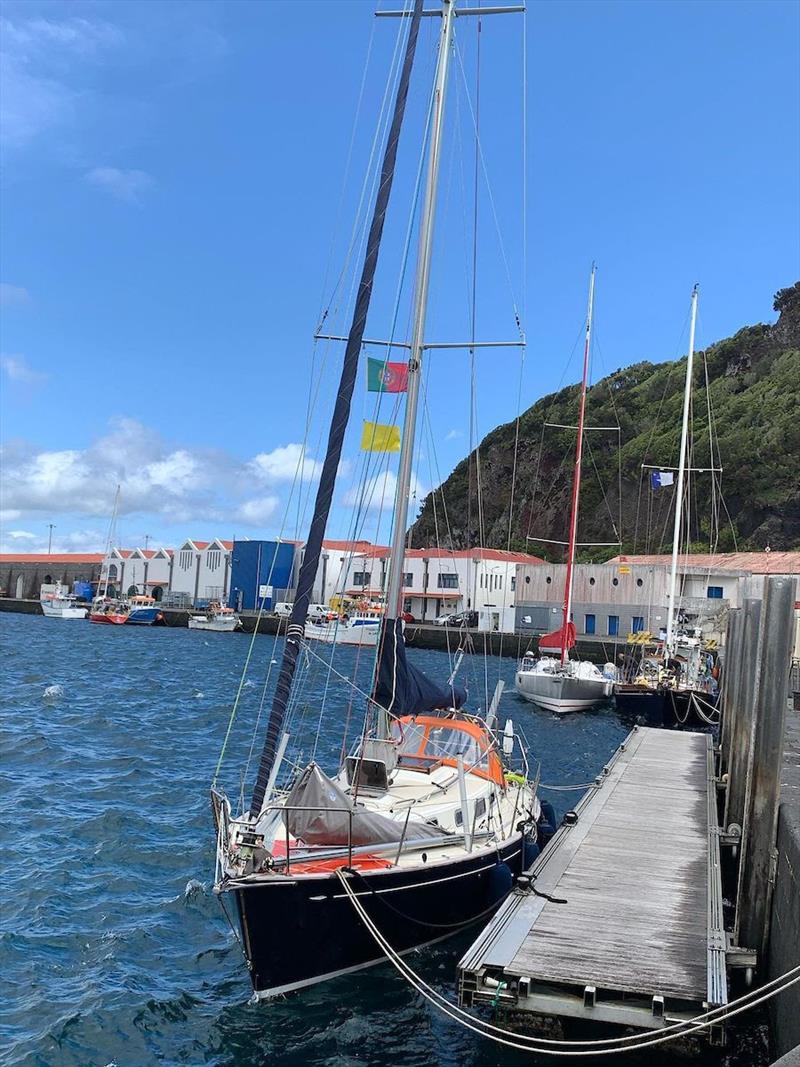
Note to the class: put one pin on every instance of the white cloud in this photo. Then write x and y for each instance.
(282, 464)
(21, 535)
(38, 55)
(176, 484)
(451, 435)
(127, 185)
(17, 370)
(13, 295)
(379, 491)
(259, 511)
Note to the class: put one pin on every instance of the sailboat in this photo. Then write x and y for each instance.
(563, 684)
(679, 678)
(425, 820)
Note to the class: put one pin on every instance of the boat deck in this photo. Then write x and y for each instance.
(623, 922)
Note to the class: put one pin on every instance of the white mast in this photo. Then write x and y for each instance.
(669, 644)
(111, 528)
(394, 592)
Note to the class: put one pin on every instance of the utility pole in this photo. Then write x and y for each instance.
(146, 541)
(51, 526)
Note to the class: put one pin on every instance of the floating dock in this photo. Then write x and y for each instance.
(622, 922)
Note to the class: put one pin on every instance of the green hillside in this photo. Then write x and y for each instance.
(754, 380)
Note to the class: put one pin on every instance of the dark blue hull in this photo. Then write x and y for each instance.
(663, 707)
(298, 933)
(143, 616)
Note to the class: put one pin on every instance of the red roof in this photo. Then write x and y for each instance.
(754, 562)
(349, 546)
(378, 551)
(55, 557)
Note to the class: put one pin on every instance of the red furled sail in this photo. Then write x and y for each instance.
(563, 637)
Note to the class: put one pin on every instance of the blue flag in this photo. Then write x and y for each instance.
(658, 479)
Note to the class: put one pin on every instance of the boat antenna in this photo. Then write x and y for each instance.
(576, 481)
(341, 413)
(669, 643)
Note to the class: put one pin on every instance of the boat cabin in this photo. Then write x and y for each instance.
(426, 742)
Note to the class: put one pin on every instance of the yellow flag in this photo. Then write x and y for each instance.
(378, 437)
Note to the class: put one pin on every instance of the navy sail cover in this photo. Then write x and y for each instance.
(403, 689)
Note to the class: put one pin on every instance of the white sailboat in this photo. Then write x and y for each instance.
(352, 630)
(678, 679)
(425, 819)
(217, 618)
(562, 684)
(58, 603)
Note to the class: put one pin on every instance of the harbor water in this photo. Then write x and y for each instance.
(113, 948)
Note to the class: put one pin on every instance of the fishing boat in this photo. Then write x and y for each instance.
(142, 610)
(58, 603)
(347, 630)
(431, 816)
(109, 610)
(561, 683)
(679, 681)
(217, 617)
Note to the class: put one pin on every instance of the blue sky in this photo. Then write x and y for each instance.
(173, 210)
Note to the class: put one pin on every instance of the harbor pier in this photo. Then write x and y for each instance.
(620, 920)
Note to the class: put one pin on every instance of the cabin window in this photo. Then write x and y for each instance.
(714, 592)
(447, 581)
(480, 807)
(362, 578)
(637, 624)
(459, 817)
(445, 743)
(409, 735)
(613, 625)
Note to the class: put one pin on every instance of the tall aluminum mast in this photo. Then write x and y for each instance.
(394, 595)
(669, 644)
(576, 481)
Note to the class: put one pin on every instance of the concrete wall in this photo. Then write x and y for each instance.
(784, 940)
(24, 580)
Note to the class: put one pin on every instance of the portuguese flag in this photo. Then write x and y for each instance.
(386, 377)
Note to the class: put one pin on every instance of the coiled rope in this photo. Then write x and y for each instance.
(550, 1047)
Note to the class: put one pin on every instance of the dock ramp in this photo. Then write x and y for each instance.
(622, 919)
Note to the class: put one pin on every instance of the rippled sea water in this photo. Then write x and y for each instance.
(113, 949)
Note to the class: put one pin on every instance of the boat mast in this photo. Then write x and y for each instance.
(339, 419)
(669, 644)
(394, 594)
(109, 539)
(576, 481)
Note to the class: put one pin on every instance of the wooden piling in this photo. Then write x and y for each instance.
(762, 796)
(732, 656)
(741, 694)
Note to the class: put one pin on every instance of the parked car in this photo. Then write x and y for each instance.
(465, 618)
(444, 620)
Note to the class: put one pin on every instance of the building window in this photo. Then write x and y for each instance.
(715, 592)
(185, 559)
(513, 583)
(447, 581)
(639, 582)
(588, 624)
(213, 559)
(615, 581)
(591, 581)
(637, 623)
(408, 579)
(112, 572)
(527, 579)
(548, 580)
(362, 578)
(613, 625)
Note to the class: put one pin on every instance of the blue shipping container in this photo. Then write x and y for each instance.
(258, 567)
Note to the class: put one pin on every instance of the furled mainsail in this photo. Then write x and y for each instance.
(403, 689)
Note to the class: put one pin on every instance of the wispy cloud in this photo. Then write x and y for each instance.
(18, 371)
(176, 484)
(452, 435)
(38, 56)
(378, 492)
(13, 295)
(127, 185)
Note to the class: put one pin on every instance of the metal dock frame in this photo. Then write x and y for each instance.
(651, 962)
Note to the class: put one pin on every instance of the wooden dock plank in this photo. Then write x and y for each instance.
(634, 874)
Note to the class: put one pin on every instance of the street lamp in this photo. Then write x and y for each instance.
(51, 526)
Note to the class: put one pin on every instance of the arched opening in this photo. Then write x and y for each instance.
(156, 593)
(20, 587)
(112, 572)
(48, 579)
(132, 590)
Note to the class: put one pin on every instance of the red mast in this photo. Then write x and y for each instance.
(566, 629)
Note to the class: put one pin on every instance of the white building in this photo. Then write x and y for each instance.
(201, 570)
(138, 570)
(438, 582)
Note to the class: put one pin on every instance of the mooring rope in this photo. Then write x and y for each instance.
(632, 1043)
